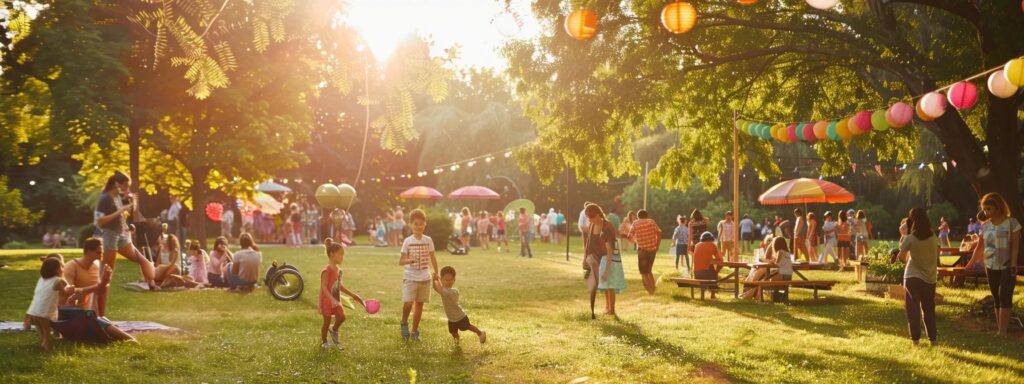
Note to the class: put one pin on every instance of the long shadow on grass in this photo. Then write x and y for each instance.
(634, 335)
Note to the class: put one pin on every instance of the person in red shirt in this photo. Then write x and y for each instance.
(706, 259)
(646, 234)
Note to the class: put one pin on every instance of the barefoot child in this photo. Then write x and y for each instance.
(457, 318)
(50, 286)
(419, 260)
(330, 293)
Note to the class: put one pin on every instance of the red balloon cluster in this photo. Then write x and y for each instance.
(214, 211)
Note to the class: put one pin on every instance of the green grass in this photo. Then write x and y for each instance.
(537, 319)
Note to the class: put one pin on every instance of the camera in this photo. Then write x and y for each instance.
(127, 200)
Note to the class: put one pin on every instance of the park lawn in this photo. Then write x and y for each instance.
(539, 330)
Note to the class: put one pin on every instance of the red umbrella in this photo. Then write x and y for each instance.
(421, 192)
(474, 192)
(804, 191)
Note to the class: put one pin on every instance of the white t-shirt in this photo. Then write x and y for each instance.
(726, 231)
(228, 217)
(419, 250)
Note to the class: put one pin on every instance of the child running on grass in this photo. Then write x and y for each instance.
(330, 293)
(458, 320)
(49, 287)
(419, 260)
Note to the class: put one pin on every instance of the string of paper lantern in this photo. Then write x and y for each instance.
(1003, 82)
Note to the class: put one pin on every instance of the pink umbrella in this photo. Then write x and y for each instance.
(421, 192)
(474, 192)
(803, 191)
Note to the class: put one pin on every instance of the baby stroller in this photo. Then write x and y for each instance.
(455, 246)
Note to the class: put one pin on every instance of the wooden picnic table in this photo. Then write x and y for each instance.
(797, 267)
(962, 256)
(735, 275)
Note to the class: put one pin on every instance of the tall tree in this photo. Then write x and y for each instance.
(779, 60)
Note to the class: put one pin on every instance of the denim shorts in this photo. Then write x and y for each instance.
(115, 240)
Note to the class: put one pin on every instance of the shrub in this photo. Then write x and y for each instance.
(879, 266)
(16, 245)
(439, 227)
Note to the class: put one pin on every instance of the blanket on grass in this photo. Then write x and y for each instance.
(127, 326)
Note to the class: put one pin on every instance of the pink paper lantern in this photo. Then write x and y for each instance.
(962, 95)
(791, 136)
(863, 121)
(933, 104)
(999, 86)
(899, 115)
(808, 133)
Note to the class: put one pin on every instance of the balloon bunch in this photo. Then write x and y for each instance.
(335, 196)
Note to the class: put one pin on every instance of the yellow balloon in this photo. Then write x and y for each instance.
(780, 132)
(1014, 71)
(843, 129)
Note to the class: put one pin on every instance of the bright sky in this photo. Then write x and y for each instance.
(384, 23)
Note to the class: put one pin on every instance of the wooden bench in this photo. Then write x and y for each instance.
(959, 275)
(784, 285)
(703, 285)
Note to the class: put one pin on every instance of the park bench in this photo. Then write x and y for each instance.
(785, 285)
(959, 275)
(703, 285)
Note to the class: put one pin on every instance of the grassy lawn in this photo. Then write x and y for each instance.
(539, 330)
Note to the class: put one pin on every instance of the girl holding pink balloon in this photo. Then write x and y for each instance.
(330, 293)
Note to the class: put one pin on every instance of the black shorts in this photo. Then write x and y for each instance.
(746, 236)
(461, 325)
(843, 244)
(501, 232)
(1001, 283)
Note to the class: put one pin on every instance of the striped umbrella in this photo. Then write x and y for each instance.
(805, 191)
(421, 192)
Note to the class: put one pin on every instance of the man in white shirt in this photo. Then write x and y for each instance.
(227, 221)
(727, 236)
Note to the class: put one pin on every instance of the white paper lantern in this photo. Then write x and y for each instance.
(933, 104)
(822, 4)
(999, 86)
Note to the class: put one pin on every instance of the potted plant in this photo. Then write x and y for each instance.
(881, 272)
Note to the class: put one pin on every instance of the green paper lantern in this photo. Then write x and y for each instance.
(878, 121)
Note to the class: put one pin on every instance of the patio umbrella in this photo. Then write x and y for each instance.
(805, 191)
(272, 187)
(474, 192)
(268, 204)
(421, 192)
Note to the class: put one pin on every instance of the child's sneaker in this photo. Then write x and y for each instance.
(405, 330)
(334, 337)
(325, 345)
(416, 336)
(483, 337)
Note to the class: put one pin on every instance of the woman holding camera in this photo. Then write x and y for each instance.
(114, 206)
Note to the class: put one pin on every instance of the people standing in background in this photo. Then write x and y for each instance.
(626, 225)
(175, 222)
(310, 220)
(727, 237)
(563, 230)
(681, 239)
(799, 235)
(348, 225)
(843, 239)
(227, 220)
(616, 221)
(544, 229)
(943, 232)
(861, 234)
(829, 230)
(399, 224)
(483, 227)
(647, 236)
(747, 233)
(582, 223)
(698, 225)
(296, 226)
(972, 226)
(766, 228)
(502, 235)
(466, 218)
(553, 225)
(525, 233)
(812, 236)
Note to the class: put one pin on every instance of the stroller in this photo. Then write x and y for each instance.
(455, 246)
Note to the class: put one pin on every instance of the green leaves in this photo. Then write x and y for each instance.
(15, 214)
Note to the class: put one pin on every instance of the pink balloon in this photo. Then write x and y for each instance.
(899, 115)
(372, 306)
(791, 135)
(962, 95)
(933, 104)
(863, 121)
(808, 133)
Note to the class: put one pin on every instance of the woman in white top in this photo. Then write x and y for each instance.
(998, 247)
(921, 273)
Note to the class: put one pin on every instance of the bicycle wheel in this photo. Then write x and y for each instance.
(287, 284)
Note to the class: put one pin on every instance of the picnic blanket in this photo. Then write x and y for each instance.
(127, 326)
(141, 286)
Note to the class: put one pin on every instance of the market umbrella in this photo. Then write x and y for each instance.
(268, 204)
(272, 187)
(421, 192)
(474, 192)
(805, 191)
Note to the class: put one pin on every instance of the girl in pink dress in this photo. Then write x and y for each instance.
(330, 293)
(197, 260)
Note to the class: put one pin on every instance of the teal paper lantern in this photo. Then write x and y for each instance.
(831, 131)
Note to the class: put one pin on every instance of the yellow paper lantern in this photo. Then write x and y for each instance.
(679, 17)
(581, 24)
(843, 129)
(1014, 71)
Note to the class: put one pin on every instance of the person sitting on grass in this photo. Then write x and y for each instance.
(169, 260)
(706, 259)
(419, 260)
(244, 269)
(458, 320)
(49, 287)
(197, 261)
(84, 275)
(331, 289)
(216, 273)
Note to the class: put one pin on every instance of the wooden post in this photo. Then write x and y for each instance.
(735, 186)
(646, 171)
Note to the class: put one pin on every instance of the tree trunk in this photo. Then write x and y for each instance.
(134, 144)
(198, 218)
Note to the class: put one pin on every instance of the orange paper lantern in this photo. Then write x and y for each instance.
(679, 17)
(581, 24)
(748, 2)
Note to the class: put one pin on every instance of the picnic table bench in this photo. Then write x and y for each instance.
(784, 285)
(959, 275)
(703, 285)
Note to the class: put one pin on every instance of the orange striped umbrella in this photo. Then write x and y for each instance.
(805, 191)
(421, 192)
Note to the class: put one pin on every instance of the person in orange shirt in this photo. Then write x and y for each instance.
(706, 259)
